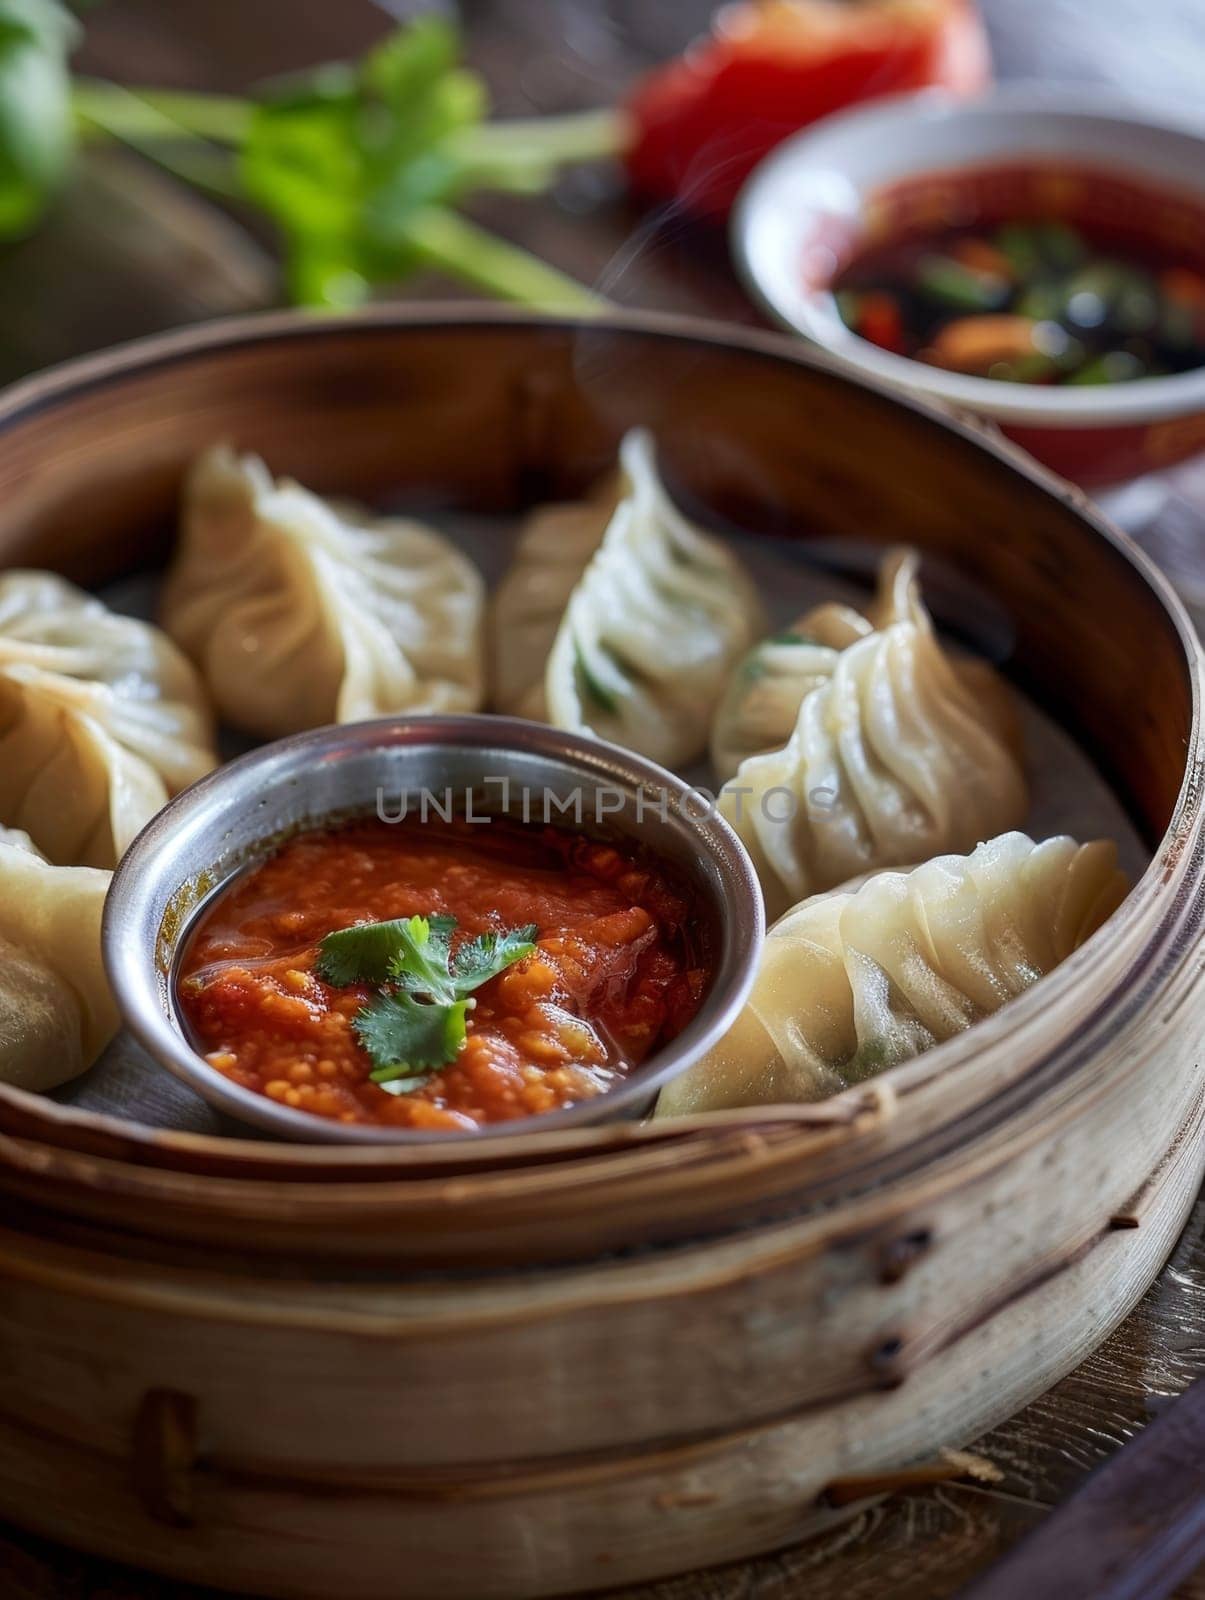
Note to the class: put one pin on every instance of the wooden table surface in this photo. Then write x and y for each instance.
(128, 253)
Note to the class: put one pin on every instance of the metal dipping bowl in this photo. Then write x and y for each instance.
(498, 766)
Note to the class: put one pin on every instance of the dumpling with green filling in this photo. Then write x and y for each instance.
(853, 982)
(899, 755)
(657, 616)
(762, 699)
(554, 549)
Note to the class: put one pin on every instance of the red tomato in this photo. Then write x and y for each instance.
(771, 67)
(879, 321)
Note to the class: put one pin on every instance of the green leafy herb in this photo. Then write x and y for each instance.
(36, 126)
(420, 962)
(402, 1034)
(489, 954)
(367, 952)
(359, 164)
(417, 1023)
(341, 160)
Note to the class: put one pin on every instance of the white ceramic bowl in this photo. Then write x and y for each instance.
(860, 175)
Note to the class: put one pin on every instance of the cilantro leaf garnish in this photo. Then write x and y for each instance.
(421, 958)
(417, 1022)
(365, 953)
(402, 1034)
(489, 954)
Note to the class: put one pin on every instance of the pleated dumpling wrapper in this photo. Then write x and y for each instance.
(902, 752)
(851, 983)
(56, 1011)
(764, 694)
(300, 612)
(621, 618)
(102, 719)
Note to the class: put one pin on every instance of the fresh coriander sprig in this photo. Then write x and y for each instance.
(360, 165)
(407, 1038)
(368, 952)
(418, 1021)
(487, 955)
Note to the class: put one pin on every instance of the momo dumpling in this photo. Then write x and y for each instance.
(56, 1012)
(653, 629)
(897, 756)
(554, 549)
(851, 983)
(762, 700)
(651, 626)
(299, 612)
(101, 720)
(764, 694)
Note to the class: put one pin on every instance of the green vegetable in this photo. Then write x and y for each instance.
(1022, 247)
(360, 165)
(870, 1058)
(604, 695)
(951, 283)
(1061, 244)
(36, 130)
(439, 237)
(1115, 366)
(1042, 302)
(401, 1034)
(422, 956)
(1033, 368)
(1136, 307)
(418, 1021)
(367, 953)
(340, 161)
(489, 954)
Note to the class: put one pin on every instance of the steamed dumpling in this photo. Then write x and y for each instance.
(852, 983)
(554, 549)
(762, 700)
(764, 694)
(900, 754)
(299, 612)
(656, 612)
(101, 720)
(56, 1012)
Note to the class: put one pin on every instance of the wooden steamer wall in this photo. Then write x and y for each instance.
(567, 1362)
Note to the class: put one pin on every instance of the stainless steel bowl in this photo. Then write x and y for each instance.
(240, 813)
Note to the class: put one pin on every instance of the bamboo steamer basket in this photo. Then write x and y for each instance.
(567, 1362)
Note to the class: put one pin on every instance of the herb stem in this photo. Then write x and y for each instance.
(535, 148)
(120, 114)
(131, 113)
(452, 243)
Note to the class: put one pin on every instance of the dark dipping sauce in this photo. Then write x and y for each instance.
(1040, 302)
(620, 967)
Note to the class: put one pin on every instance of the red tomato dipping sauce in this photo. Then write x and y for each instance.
(568, 962)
